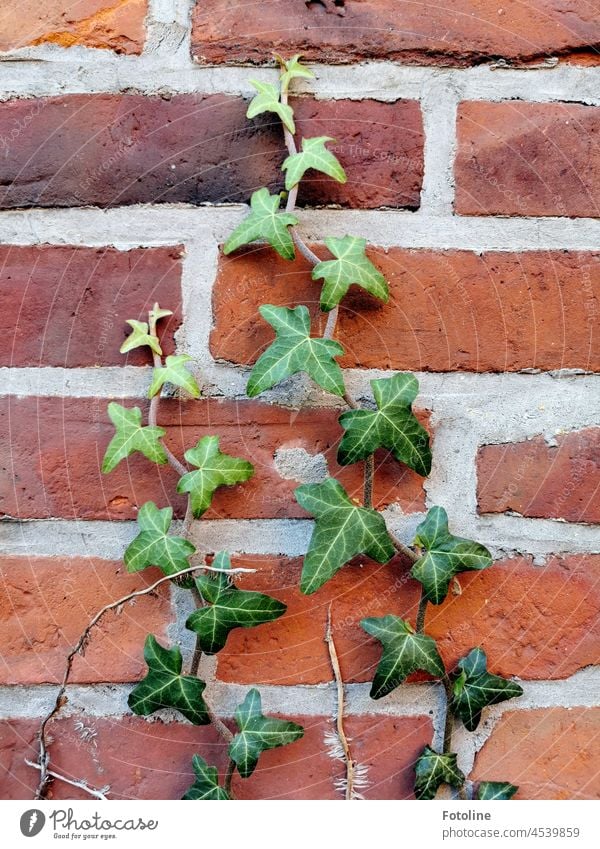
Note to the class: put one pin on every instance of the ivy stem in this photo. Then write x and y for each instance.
(229, 777)
(401, 548)
(420, 623)
(339, 683)
(369, 476)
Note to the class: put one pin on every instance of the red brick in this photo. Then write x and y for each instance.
(550, 754)
(542, 481)
(46, 603)
(448, 310)
(113, 149)
(461, 33)
(519, 158)
(67, 306)
(143, 760)
(54, 450)
(535, 622)
(87, 23)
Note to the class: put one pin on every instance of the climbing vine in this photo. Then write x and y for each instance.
(343, 528)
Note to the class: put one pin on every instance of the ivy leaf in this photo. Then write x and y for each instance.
(265, 221)
(267, 100)
(153, 546)
(404, 652)
(432, 770)
(314, 155)
(206, 784)
(175, 372)
(156, 313)
(491, 791)
(445, 555)
(292, 69)
(214, 470)
(342, 531)
(139, 337)
(165, 687)
(393, 426)
(130, 436)
(475, 688)
(228, 608)
(350, 266)
(258, 733)
(293, 351)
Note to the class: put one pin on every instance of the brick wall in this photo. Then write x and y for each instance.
(471, 137)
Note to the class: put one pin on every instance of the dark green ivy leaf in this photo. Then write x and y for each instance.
(293, 351)
(432, 770)
(130, 436)
(214, 470)
(393, 426)
(342, 531)
(153, 546)
(165, 687)
(206, 784)
(228, 608)
(265, 221)
(404, 652)
(491, 791)
(350, 266)
(257, 733)
(315, 155)
(474, 688)
(445, 555)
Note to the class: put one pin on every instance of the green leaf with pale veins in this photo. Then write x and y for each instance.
(257, 733)
(139, 337)
(474, 688)
(293, 351)
(314, 155)
(130, 436)
(342, 530)
(206, 783)
(267, 100)
(293, 69)
(404, 652)
(351, 266)
(165, 687)
(214, 469)
(445, 555)
(492, 791)
(175, 372)
(393, 426)
(153, 546)
(265, 221)
(228, 608)
(432, 770)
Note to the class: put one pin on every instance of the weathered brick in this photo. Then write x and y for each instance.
(535, 622)
(54, 447)
(88, 23)
(111, 150)
(448, 310)
(550, 754)
(143, 760)
(67, 306)
(461, 33)
(539, 480)
(518, 158)
(45, 604)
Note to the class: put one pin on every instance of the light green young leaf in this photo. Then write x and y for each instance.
(267, 100)
(292, 69)
(393, 426)
(175, 372)
(474, 688)
(153, 546)
(130, 436)
(342, 530)
(432, 770)
(492, 791)
(156, 313)
(139, 337)
(228, 608)
(265, 221)
(206, 784)
(214, 469)
(293, 351)
(404, 652)
(351, 266)
(315, 155)
(165, 687)
(257, 733)
(445, 555)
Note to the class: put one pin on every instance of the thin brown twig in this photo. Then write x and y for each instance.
(401, 548)
(337, 674)
(368, 485)
(229, 777)
(420, 623)
(82, 784)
